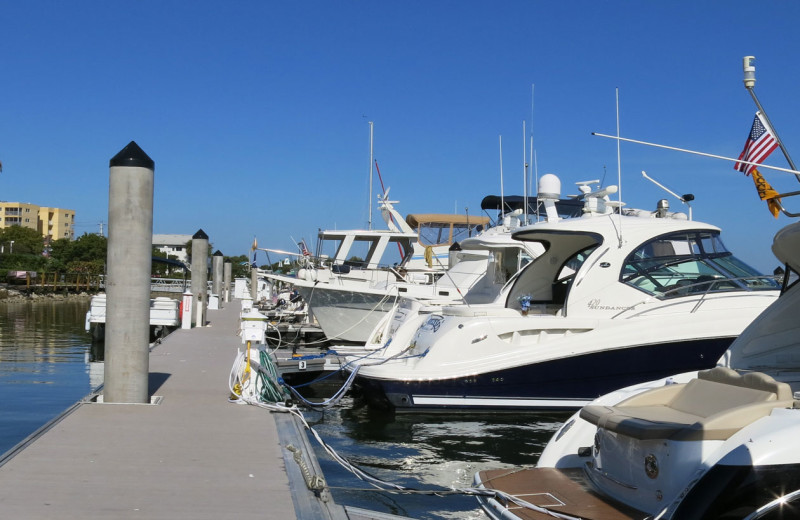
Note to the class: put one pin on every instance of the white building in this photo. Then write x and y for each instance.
(172, 245)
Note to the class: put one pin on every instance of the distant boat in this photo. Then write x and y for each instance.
(348, 297)
(164, 317)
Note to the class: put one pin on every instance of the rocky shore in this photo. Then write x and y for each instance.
(10, 295)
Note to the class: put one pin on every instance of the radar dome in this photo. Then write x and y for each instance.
(549, 187)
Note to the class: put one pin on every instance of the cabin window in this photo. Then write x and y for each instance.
(693, 262)
(563, 281)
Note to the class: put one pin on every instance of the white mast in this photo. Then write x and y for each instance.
(502, 197)
(524, 178)
(619, 174)
(369, 197)
(533, 161)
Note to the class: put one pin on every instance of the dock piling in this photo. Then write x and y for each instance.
(227, 269)
(200, 276)
(130, 244)
(216, 270)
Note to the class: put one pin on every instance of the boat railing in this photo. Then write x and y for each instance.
(697, 289)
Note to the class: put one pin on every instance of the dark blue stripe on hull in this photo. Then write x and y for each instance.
(556, 385)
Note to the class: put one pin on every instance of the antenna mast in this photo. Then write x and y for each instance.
(524, 177)
(533, 166)
(619, 174)
(369, 197)
(502, 198)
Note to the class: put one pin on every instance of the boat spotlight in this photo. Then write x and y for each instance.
(662, 208)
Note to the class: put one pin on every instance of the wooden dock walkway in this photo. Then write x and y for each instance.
(194, 455)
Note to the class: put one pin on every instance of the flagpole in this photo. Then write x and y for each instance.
(749, 84)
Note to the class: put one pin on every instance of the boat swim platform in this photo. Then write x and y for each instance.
(192, 455)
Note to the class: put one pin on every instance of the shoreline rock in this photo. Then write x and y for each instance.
(9, 295)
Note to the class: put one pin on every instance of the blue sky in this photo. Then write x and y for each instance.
(256, 112)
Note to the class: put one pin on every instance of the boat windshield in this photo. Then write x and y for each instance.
(693, 262)
(445, 233)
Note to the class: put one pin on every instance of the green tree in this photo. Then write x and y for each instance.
(21, 249)
(85, 254)
(239, 266)
(25, 240)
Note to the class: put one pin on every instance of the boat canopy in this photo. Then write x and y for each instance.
(566, 208)
(443, 229)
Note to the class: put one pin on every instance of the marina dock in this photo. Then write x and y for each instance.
(190, 454)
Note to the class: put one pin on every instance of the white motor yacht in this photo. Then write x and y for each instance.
(349, 297)
(618, 297)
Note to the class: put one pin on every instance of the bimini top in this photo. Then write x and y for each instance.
(418, 219)
(567, 208)
(436, 229)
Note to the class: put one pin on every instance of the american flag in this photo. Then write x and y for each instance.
(304, 248)
(760, 143)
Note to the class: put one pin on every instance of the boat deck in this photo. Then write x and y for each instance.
(192, 455)
(561, 491)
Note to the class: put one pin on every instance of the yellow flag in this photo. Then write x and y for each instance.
(255, 245)
(766, 192)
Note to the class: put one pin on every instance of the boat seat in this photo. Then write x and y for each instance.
(714, 406)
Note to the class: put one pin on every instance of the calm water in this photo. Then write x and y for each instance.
(425, 452)
(45, 367)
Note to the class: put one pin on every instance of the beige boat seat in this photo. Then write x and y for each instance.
(714, 406)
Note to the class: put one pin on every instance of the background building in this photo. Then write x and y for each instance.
(173, 245)
(19, 214)
(57, 223)
(52, 223)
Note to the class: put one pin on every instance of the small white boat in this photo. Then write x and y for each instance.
(164, 317)
(615, 299)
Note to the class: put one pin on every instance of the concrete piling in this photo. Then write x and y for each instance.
(227, 270)
(216, 270)
(200, 276)
(254, 284)
(129, 257)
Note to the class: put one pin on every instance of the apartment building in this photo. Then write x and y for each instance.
(19, 214)
(52, 223)
(56, 223)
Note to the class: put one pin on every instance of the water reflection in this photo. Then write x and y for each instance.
(426, 451)
(43, 364)
(46, 365)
